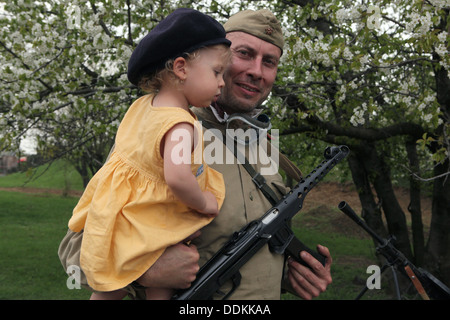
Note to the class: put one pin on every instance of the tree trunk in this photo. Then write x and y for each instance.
(438, 247)
(379, 172)
(82, 169)
(414, 206)
(371, 213)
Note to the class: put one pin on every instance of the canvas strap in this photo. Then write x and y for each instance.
(258, 179)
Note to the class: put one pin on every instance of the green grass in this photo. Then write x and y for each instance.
(31, 227)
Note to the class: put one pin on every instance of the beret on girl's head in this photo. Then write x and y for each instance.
(181, 32)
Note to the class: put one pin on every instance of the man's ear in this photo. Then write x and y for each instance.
(179, 68)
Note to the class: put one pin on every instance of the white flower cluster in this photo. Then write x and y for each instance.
(365, 62)
(97, 38)
(348, 14)
(101, 41)
(317, 49)
(440, 4)
(441, 49)
(426, 108)
(347, 54)
(342, 93)
(73, 13)
(418, 24)
(358, 117)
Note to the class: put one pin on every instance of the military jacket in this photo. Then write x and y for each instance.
(244, 202)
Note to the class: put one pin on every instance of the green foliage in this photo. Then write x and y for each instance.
(363, 64)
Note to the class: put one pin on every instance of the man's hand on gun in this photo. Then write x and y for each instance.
(310, 283)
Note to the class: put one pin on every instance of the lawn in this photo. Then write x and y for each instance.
(56, 175)
(31, 227)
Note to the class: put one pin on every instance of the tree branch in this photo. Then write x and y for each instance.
(100, 20)
(130, 35)
(367, 134)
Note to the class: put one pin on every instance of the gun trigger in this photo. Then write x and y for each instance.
(281, 239)
(236, 280)
(220, 292)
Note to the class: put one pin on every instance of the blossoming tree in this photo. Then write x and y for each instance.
(375, 75)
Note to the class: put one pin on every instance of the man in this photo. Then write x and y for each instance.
(257, 45)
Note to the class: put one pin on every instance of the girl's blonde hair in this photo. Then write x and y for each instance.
(152, 83)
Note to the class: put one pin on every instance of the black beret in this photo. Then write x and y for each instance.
(183, 31)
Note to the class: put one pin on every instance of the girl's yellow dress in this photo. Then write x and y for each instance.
(128, 213)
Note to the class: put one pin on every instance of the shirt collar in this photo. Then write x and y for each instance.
(220, 118)
(223, 118)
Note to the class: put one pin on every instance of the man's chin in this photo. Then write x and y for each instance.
(237, 105)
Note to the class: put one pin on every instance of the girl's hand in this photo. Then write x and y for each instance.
(211, 207)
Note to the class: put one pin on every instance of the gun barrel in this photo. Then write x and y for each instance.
(345, 208)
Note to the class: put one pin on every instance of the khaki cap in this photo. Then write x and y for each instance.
(262, 24)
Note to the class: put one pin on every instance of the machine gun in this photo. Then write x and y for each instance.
(272, 228)
(426, 284)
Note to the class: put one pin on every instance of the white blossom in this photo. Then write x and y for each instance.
(348, 55)
(418, 24)
(101, 41)
(430, 98)
(73, 17)
(358, 115)
(427, 117)
(364, 59)
(441, 4)
(348, 14)
(441, 50)
(336, 53)
(353, 85)
(442, 36)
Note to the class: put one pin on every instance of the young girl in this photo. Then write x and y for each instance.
(151, 193)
